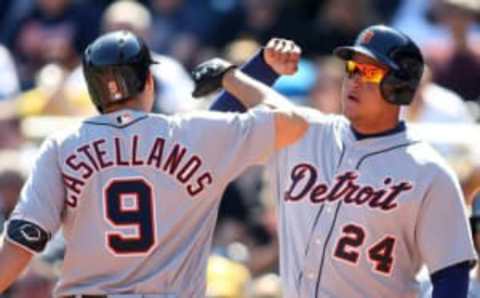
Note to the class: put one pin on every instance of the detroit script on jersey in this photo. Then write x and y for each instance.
(304, 185)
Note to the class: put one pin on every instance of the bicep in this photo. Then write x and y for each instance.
(290, 126)
(235, 141)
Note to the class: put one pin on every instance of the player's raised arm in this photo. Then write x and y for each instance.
(216, 73)
(278, 57)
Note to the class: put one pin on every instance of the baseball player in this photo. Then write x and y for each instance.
(362, 202)
(135, 193)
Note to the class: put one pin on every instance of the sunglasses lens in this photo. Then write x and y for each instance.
(369, 73)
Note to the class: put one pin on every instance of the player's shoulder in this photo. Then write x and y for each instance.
(428, 159)
(316, 117)
(319, 121)
(65, 131)
(207, 115)
(200, 116)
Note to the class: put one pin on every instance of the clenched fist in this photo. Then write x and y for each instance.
(282, 55)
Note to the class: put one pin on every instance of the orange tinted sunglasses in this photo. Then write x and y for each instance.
(369, 73)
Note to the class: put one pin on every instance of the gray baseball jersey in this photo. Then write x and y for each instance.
(358, 218)
(137, 195)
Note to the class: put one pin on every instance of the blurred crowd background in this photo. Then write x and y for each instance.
(42, 90)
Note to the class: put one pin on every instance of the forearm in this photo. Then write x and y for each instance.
(251, 93)
(13, 260)
(256, 68)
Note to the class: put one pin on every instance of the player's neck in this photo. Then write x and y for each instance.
(374, 127)
(397, 127)
(132, 104)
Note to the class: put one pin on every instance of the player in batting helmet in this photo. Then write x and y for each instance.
(398, 53)
(349, 231)
(116, 68)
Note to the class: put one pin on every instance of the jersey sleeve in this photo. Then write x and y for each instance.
(42, 197)
(234, 141)
(443, 233)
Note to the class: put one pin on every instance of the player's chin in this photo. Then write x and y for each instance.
(349, 107)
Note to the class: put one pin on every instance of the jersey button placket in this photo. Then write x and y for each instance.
(315, 252)
(350, 162)
(328, 222)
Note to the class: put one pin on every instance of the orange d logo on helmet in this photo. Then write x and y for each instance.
(366, 37)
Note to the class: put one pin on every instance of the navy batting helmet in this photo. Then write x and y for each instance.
(116, 67)
(398, 53)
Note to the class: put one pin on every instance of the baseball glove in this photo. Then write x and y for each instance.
(208, 76)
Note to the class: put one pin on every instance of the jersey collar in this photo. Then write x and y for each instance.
(397, 129)
(121, 118)
(394, 137)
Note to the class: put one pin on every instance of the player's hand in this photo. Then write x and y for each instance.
(208, 76)
(282, 55)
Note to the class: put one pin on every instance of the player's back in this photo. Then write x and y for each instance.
(142, 197)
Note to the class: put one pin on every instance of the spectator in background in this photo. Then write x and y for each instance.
(180, 27)
(4, 8)
(260, 20)
(59, 92)
(456, 63)
(11, 11)
(53, 31)
(338, 22)
(386, 9)
(9, 86)
(412, 18)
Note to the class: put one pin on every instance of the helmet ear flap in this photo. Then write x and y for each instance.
(399, 85)
(396, 89)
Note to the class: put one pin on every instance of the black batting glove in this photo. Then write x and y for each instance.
(208, 76)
